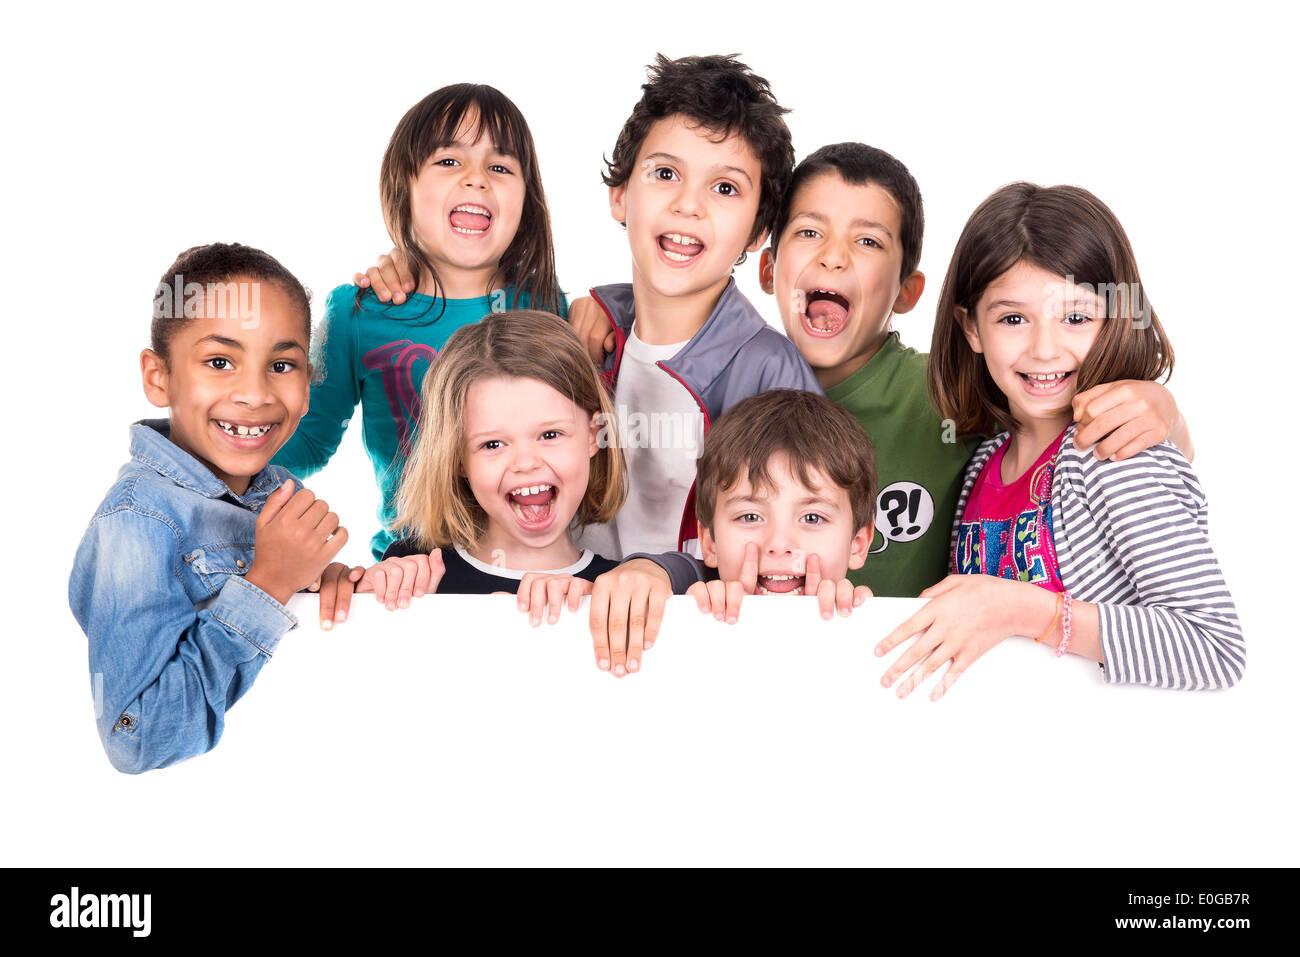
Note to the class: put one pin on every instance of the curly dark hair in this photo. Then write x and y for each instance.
(725, 97)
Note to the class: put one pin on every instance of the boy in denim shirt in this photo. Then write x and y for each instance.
(182, 577)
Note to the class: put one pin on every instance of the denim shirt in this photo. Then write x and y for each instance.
(176, 634)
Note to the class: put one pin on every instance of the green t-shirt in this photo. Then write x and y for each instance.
(920, 465)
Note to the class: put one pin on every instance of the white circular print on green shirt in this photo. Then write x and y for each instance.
(904, 512)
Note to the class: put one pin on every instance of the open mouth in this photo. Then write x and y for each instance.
(680, 247)
(1045, 383)
(470, 219)
(779, 585)
(533, 505)
(826, 312)
(244, 433)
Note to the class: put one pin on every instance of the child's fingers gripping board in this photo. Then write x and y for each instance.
(540, 593)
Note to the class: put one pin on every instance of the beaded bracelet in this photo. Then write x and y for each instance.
(1052, 627)
(1066, 616)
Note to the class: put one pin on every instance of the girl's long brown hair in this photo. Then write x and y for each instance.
(434, 501)
(529, 261)
(1067, 231)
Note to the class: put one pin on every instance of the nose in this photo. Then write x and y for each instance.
(832, 256)
(780, 543)
(686, 202)
(526, 458)
(1045, 341)
(250, 388)
(474, 177)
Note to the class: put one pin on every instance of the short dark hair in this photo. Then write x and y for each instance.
(812, 432)
(1069, 232)
(725, 97)
(858, 165)
(202, 266)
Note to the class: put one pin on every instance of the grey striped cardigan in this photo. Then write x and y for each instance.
(1132, 538)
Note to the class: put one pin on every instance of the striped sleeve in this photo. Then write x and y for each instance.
(1133, 538)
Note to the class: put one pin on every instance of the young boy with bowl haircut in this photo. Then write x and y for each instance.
(181, 579)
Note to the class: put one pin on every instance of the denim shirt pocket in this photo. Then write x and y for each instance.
(211, 565)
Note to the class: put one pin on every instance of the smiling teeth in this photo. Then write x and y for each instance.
(681, 240)
(779, 578)
(471, 208)
(244, 431)
(1048, 377)
(531, 489)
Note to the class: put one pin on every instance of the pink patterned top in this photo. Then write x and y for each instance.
(1006, 530)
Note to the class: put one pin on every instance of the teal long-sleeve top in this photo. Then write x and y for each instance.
(377, 354)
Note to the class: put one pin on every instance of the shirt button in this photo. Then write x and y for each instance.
(124, 721)
(239, 563)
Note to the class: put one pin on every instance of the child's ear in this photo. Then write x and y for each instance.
(766, 271)
(708, 548)
(971, 328)
(860, 545)
(618, 204)
(757, 244)
(153, 373)
(910, 292)
(597, 425)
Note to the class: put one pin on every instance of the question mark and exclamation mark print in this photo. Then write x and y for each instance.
(904, 512)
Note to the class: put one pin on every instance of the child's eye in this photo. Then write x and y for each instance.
(1012, 319)
(806, 233)
(665, 173)
(219, 363)
(748, 518)
(869, 241)
(446, 161)
(552, 434)
(498, 168)
(812, 518)
(1077, 318)
(727, 189)
(282, 365)
(491, 445)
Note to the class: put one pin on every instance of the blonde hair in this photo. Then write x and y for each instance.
(434, 501)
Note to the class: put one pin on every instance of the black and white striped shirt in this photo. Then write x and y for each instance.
(1132, 538)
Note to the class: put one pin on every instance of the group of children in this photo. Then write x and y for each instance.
(658, 437)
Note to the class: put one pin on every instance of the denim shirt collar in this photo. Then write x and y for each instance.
(152, 446)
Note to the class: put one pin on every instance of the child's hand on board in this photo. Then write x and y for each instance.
(966, 616)
(589, 322)
(395, 581)
(832, 594)
(389, 278)
(540, 593)
(295, 538)
(1128, 417)
(627, 608)
(336, 585)
(722, 599)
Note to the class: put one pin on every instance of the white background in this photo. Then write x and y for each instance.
(132, 133)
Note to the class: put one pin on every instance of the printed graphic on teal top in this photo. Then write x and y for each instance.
(377, 355)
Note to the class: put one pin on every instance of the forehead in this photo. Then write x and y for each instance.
(515, 403)
(700, 146)
(829, 196)
(471, 131)
(1030, 285)
(257, 313)
(784, 486)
